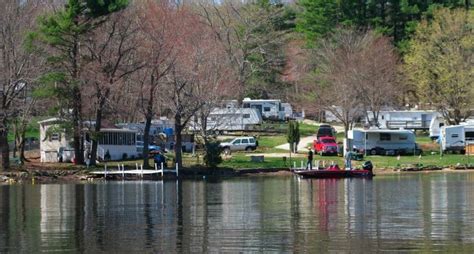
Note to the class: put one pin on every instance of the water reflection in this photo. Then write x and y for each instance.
(261, 214)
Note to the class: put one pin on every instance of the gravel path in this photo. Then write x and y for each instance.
(302, 145)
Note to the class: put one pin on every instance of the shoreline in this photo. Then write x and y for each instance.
(82, 174)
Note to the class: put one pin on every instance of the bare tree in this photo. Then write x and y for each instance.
(334, 84)
(192, 78)
(15, 64)
(161, 31)
(238, 27)
(112, 50)
(375, 75)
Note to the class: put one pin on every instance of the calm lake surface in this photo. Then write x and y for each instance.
(412, 212)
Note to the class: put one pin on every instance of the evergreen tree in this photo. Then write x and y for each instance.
(63, 32)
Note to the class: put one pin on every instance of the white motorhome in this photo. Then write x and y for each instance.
(383, 142)
(268, 109)
(406, 119)
(454, 138)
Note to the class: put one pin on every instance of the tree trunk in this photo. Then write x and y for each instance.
(77, 125)
(98, 125)
(146, 139)
(4, 149)
(178, 143)
(95, 141)
(148, 117)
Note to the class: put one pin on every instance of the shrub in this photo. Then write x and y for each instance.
(212, 158)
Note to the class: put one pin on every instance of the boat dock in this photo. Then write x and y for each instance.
(138, 171)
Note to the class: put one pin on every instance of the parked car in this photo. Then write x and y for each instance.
(326, 130)
(326, 145)
(240, 144)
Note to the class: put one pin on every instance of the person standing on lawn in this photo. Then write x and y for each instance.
(309, 164)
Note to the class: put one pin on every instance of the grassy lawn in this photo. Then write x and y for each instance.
(239, 160)
(32, 130)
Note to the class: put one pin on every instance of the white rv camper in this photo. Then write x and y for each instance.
(435, 127)
(268, 109)
(383, 142)
(288, 110)
(454, 138)
(232, 119)
(406, 119)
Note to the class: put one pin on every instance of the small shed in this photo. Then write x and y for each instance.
(54, 141)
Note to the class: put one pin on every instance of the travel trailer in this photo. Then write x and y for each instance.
(455, 138)
(382, 142)
(288, 110)
(268, 109)
(435, 127)
(406, 119)
(230, 119)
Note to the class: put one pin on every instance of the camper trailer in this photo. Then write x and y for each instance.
(268, 109)
(454, 138)
(383, 142)
(435, 127)
(288, 110)
(230, 119)
(406, 119)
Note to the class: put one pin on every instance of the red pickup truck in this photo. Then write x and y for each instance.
(326, 146)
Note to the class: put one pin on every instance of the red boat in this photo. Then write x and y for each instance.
(334, 172)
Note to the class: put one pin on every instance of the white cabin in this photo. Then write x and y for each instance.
(382, 141)
(117, 144)
(268, 109)
(455, 137)
(56, 144)
(406, 119)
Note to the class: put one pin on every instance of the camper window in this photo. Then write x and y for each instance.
(454, 135)
(385, 137)
(246, 115)
(55, 137)
(470, 135)
(403, 137)
(266, 109)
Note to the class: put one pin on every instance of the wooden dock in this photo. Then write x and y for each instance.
(138, 171)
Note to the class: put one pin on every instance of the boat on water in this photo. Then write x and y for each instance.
(334, 171)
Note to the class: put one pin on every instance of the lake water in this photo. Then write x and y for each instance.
(411, 212)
